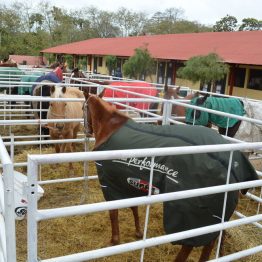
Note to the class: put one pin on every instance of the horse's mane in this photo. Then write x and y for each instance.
(99, 105)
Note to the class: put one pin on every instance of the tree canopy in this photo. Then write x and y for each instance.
(140, 65)
(230, 23)
(206, 69)
(111, 63)
(28, 27)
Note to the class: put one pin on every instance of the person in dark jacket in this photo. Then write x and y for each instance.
(53, 76)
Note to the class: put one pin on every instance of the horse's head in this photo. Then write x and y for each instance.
(57, 109)
(196, 116)
(87, 112)
(173, 93)
(101, 118)
(76, 73)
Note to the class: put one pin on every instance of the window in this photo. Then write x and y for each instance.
(255, 79)
(118, 64)
(100, 61)
(240, 77)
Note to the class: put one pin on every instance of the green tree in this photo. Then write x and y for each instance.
(36, 21)
(101, 22)
(171, 21)
(111, 63)
(129, 23)
(140, 65)
(206, 69)
(185, 26)
(164, 22)
(226, 24)
(250, 24)
(9, 31)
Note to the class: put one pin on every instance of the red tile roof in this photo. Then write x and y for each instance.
(30, 60)
(242, 47)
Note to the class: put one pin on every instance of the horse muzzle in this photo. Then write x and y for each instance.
(60, 126)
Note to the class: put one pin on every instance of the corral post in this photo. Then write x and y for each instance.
(167, 108)
(9, 214)
(32, 211)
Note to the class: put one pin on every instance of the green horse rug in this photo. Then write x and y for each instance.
(127, 178)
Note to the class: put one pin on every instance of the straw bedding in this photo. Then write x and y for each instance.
(64, 236)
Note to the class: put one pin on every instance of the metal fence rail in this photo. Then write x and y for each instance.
(7, 215)
(35, 215)
(34, 161)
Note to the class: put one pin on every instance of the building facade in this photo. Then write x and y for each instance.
(240, 50)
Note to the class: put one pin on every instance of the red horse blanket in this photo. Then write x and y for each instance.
(138, 87)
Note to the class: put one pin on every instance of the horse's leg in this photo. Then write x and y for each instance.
(57, 148)
(68, 148)
(54, 136)
(62, 147)
(139, 233)
(115, 239)
(221, 250)
(44, 130)
(75, 131)
(183, 253)
(206, 251)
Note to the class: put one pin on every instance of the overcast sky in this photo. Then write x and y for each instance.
(204, 11)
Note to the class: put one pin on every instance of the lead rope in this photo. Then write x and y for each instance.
(85, 195)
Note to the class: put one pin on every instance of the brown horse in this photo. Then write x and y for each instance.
(64, 110)
(173, 93)
(76, 73)
(126, 178)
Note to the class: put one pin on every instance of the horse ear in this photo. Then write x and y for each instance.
(196, 94)
(171, 92)
(52, 89)
(177, 90)
(102, 93)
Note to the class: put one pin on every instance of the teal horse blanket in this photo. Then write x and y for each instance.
(227, 105)
(127, 178)
(26, 87)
